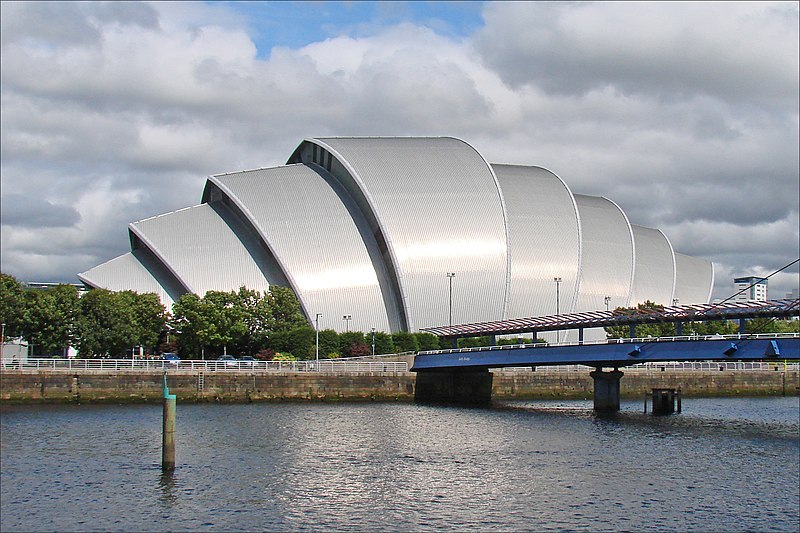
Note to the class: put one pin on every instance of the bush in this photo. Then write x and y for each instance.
(284, 356)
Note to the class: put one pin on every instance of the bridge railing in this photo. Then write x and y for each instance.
(326, 366)
(671, 366)
(636, 340)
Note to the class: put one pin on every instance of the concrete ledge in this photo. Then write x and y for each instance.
(99, 386)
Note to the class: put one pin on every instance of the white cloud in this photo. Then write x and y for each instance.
(684, 114)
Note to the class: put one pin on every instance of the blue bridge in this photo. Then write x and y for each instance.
(462, 375)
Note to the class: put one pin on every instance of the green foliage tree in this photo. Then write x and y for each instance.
(351, 344)
(228, 326)
(328, 342)
(663, 329)
(405, 342)
(286, 311)
(106, 325)
(384, 344)
(258, 319)
(302, 342)
(427, 341)
(50, 318)
(12, 305)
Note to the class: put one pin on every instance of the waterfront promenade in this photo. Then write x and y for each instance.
(60, 381)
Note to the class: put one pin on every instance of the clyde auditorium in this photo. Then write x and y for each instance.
(371, 227)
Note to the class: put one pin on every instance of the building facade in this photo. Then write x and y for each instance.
(751, 288)
(370, 227)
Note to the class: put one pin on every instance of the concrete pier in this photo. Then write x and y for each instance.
(606, 390)
(470, 387)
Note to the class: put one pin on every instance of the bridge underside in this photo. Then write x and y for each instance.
(462, 376)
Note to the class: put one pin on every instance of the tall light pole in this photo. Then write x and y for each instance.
(347, 319)
(450, 276)
(558, 305)
(2, 340)
(316, 342)
(373, 342)
(607, 300)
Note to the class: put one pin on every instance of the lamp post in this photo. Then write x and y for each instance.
(347, 319)
(373, 342)
(316, 341)
(2, 339)
(607, 300)
(558, 305)
(450, 276)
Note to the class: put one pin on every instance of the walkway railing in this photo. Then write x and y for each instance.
(326, 365)
(671, 366)
(638, 340)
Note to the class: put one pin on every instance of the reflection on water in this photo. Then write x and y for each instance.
(723, 464)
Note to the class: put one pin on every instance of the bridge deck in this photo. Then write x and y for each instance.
(617, 352)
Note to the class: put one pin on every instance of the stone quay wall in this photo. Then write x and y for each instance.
(104, 386)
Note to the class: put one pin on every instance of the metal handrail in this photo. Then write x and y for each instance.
(327, 366)
(672, 366)
(716, 337)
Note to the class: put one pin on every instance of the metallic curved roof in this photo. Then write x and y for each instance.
(607, 265)
(370, 227)
(309, 230)
(436, 207)
(126, 272)
(545, 240)
(694, 279)
(201, 250)
(654, 277)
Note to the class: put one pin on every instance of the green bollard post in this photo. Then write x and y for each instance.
(168, 430)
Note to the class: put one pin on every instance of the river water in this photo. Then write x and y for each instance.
(721, 465)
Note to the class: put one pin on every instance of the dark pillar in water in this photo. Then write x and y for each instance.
(168, 430)
(466, 387)
(664, 401)
(606, 390)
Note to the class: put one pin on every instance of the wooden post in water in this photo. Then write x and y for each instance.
(168, 430)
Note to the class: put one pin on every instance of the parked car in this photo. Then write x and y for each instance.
(248, 360)
(229, 360)
(171, 358)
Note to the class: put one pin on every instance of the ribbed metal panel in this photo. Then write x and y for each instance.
(694, 279)
(435, 206)
(545, 243)
(317, 242)
(202, 251)
(608, 254)
(654, 275)
(124, 273)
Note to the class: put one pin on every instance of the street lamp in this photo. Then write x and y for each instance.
(558, 305)
(607, 300)
(347, 319)
(2, 340)
(316, 342)
(450, 276)
(373, 342)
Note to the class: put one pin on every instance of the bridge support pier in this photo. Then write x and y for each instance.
(466, 387)
(606, 390)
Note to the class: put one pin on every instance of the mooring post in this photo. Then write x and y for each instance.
(168, 430)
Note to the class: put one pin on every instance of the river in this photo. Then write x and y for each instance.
(721, 465)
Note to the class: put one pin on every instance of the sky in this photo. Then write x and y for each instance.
(685, 114)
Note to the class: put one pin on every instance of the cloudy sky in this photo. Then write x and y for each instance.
(685, 114)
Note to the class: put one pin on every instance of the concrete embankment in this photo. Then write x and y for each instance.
(103, 386)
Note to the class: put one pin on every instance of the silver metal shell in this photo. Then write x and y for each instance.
(545, 241)
(435, 207)
(127, 273)
(304, 221)
(654, 277)
(694, 280)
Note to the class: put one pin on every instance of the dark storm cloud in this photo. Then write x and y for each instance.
(33, 212)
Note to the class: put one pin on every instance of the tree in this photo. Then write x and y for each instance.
(258, 319)
(106, 325)
(12, 305)
(49, 321)
(351, 341)
(656, 329)
(383, 343)
(226, 315)
(328, 342)
(427, 341)
(286, 311)
(302, 342)
(405, 342)
(191, 321)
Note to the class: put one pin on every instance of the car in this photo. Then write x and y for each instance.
(171, 358)
(229, 360)
(248, 360)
